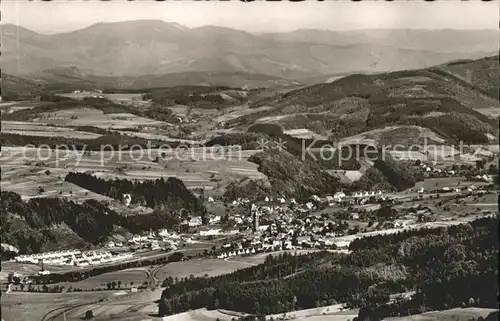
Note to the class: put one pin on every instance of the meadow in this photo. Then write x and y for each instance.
(197, 167)
(41, 129)
(95, 117)
(458, 314)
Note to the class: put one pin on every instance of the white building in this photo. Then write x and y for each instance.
(127, 199)
(210, 232)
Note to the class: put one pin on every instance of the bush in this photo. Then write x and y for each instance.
(89, 314)
(269, 129)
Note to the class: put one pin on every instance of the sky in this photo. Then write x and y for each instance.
(256, 17)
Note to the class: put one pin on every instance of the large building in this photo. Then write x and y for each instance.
(255, 217)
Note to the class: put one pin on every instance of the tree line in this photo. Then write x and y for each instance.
(445, 266)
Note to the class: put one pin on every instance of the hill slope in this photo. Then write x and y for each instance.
(433, 98)
(144, 47)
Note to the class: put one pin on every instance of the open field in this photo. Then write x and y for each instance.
(33, 306)
(238, 111)
(40, 129)
(197, 167)
(329, 312)
(451, 182)
(95, 117)
(137, 276)
(151, 136)
(303, 133)
(203, 315)
(458, 314)
(18, 105)
(490, 111)
(261, 257)
(393, 135)
(117, 98)
(199, 267)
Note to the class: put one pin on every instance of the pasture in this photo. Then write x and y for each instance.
(197, 167)
(40, 129)
(239, 111)
(97, 118)
(451, 182)
(396, 135)
(199, 268)
(151, 136)
(303, 133)
(116, 98)
(458, 314)
(124, 279)
(204, 315)
(34, 306)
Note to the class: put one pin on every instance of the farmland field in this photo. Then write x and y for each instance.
(199, 267)
(40, 129)
(197, 167)
(447, 315)
(117, 98)
(151, 136)
(96, 118)
(33, 306)
(303, 133)
(238, 111)
(135, 275)
(451, 182)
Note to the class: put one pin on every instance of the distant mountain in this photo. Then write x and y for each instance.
(152, 47)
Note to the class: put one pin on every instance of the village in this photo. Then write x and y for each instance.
(278, 224)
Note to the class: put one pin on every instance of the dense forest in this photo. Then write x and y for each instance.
(110, 140)
(446, 267)
(170, 194)
(42, 224)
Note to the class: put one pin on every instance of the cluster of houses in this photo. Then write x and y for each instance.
(170, 240)
(73, 258)
(236, 253)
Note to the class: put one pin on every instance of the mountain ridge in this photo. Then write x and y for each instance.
(137, 48)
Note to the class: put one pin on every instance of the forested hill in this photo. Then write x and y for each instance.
(171, 194)
(458, 101)
(43, 224)
(447, 267)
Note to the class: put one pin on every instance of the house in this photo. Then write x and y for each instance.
(209, 231)
(215, 219)
(210, 199)
(316, 198)
(195, 221)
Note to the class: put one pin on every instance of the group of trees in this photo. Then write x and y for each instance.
(445, 266)
(114, 140)
(171, 194)
(42, 224)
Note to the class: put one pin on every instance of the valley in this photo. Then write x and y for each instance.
(156, 171)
